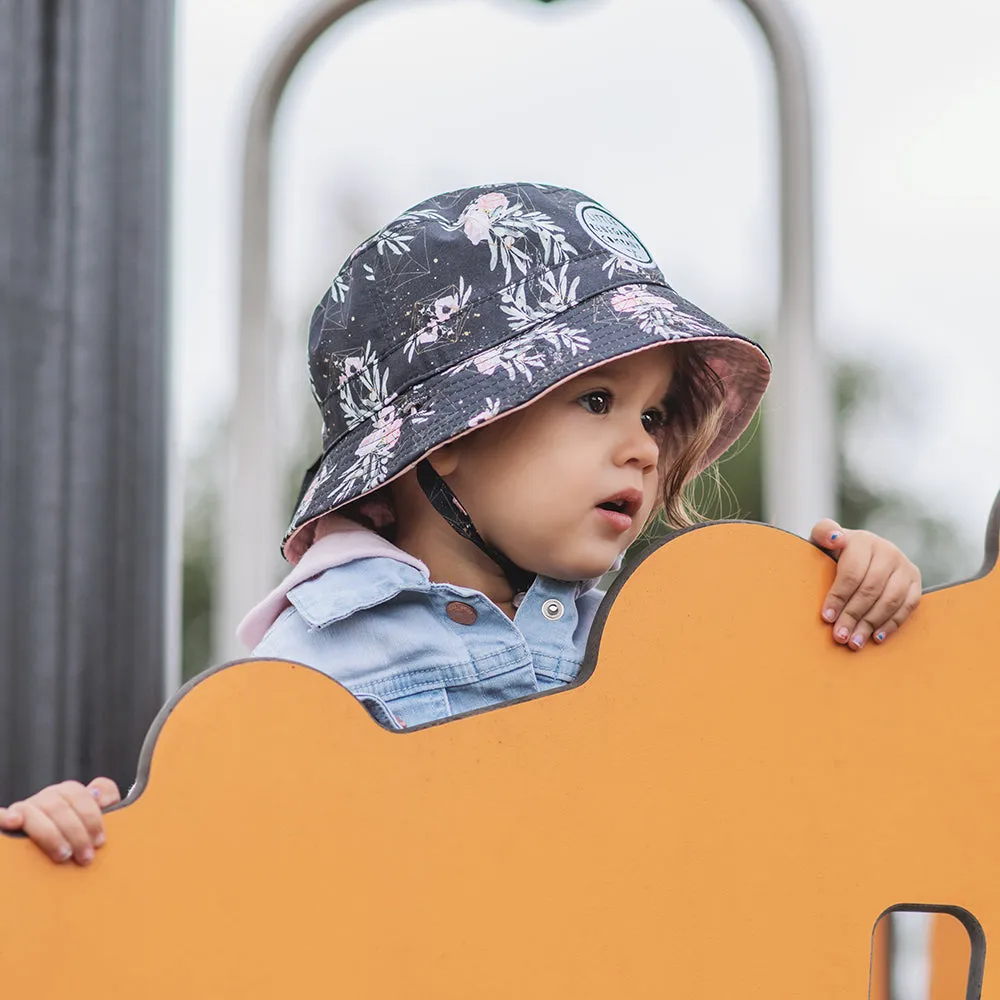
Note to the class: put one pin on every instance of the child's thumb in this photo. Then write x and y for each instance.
(11, 818)
(105, 791)
(828, 534)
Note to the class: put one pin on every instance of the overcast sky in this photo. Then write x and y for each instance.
(662, 110)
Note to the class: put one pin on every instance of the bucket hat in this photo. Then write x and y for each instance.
(473, 304)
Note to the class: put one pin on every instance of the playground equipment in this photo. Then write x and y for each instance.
(723, 806)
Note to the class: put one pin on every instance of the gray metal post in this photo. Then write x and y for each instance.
(799, 473)
(84, 120)
(253, 514)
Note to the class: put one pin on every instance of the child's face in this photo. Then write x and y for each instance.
(533, 481)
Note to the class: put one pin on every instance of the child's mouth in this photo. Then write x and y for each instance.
(619, 521)
(624, 502)
(618, 510)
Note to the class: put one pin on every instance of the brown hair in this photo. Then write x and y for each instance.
(695, 405)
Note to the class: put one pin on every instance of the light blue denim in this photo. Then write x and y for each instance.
(379, 627)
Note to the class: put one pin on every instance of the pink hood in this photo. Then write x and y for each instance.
(344, 541)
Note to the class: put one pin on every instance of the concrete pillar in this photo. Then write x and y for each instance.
(84, 135)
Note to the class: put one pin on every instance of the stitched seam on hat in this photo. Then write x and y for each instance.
(384, 358)
(424, 377)
(395, 348)
(474, 378)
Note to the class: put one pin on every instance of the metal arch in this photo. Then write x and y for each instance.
(252, 518)
(799, 459)
(799, 473)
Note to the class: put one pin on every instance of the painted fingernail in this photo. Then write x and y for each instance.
(829, 615)
(65, 852)
(857, 641)
(880, 636)
(843, 633)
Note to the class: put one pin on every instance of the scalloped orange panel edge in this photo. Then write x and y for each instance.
(722, 807)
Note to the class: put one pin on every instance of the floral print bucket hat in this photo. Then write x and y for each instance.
(473, 304)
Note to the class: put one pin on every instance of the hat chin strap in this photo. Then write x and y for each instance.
(444, 501)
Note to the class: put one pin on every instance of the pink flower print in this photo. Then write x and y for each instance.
(477, 227)
(629, 298)
(427, 335)
(489, 361)
(385, 435)
(445, 306)
(492, 201)
(351, 367)
(477, 218)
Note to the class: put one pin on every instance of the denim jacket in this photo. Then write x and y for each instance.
(413, 651)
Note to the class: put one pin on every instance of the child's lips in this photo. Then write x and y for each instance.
(628, 502)
(621, 522)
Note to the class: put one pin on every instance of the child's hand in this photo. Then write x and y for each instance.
(64, 820)
(876, 587)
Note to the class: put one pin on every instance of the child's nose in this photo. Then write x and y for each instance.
(639, 446)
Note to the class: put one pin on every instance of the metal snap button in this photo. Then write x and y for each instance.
(553, 610)
(463, 614)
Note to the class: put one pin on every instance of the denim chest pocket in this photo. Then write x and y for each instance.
(407, 710)
(437, 702)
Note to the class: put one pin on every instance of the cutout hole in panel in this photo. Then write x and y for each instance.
(927, 952)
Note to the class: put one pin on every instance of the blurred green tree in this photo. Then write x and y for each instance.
(930, 540)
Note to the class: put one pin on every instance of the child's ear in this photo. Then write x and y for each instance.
(444, 461)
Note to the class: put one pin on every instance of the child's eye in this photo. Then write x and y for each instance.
(654, 421)
(597, 401)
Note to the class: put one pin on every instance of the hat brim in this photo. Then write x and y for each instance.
(493, 383)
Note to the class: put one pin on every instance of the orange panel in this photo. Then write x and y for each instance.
(881, 967)
(722, 810)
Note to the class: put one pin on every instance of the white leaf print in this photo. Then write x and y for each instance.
(655, 314)
(561, 296)
(492, 409)
(338, 290)
(521, 355)
(506, 227)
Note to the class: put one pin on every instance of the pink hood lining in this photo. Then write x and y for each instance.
(344, 541)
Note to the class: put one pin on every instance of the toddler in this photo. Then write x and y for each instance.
(510, 391)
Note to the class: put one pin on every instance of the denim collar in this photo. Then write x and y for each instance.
(348, 542)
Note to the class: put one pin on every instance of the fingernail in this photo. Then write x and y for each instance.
(99, 840)
(857, 641)
(880, 636)
(843, 633)
(96, 792)
(829, 615)
(65, 852)
(86, 856)
(835, 536)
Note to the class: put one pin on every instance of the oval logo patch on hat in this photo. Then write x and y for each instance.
(602, 227)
